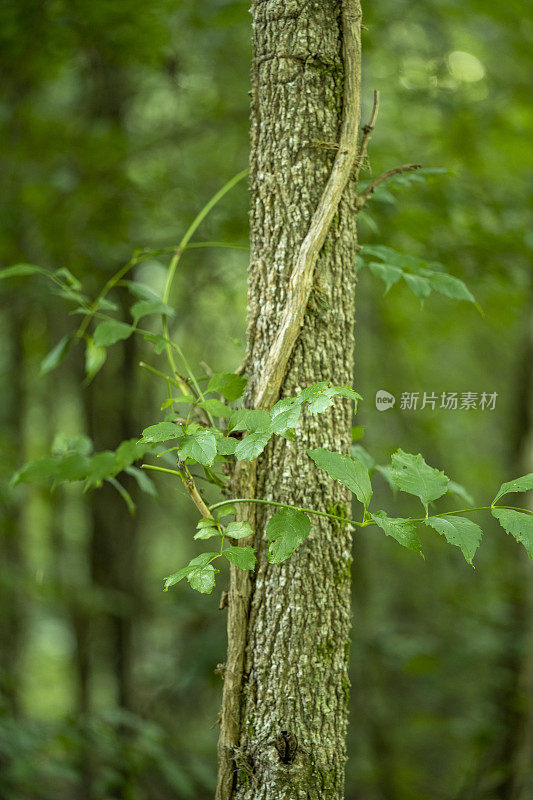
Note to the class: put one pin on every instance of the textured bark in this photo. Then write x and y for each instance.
(289, 730)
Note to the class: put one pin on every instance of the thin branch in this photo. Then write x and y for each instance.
(367, 135)
(188, 482)
(370, 189)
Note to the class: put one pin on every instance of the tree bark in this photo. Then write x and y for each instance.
(289, 624)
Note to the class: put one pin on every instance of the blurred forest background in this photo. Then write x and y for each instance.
(117, 122)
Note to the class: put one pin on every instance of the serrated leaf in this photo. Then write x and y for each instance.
(226, 511)
(226, 445)
(203, 579)
(56, 355)
(252, 420)
(216, 407)
(95, 358)
(400, 529)
(523, 484)
(201, 446)
(286, 531)
(348, 471)
(518, 524)
(207, 522)
(196, 563)
(207, 533)
(242, 557)
(162, 432)
(110, 332)
(251, 446)
(319, 403)
(144, 308)
(461, 532)
(239, 530)
(411, 474)
(284, 417)
(228, 384)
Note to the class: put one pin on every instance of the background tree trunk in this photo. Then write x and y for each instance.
(295, 684)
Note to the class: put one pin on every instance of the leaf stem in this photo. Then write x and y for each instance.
(285, 505)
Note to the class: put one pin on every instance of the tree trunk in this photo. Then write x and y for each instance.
(287, 730)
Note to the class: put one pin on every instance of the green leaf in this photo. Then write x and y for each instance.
(411, 474)
(286, 531)
(250, 420)
(242, 557)
(523, 484)
(239, 530)
(251, 446)
(128, 451)
(162, 432)
(216, 407)
(461, 532)
(518, 524)
(158, 342)
(146, 307)
(201, 446)
(207, 522)
(56, 355)
(400, 529)
(203, 579)
(348, 471)
(226, 511)
(449, 286)
(102, 465)
(226, 445)
(207, 532)
(228, 384)
(358, 433)
(199, 562)
(21, 270)
(282, 420)
(94, 358)
(145, 483)
(111, 331)
(388, 273)
(319, 403)
(418, 284)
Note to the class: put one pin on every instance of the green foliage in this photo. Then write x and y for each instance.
(286, 531)
(411, 474)
(422, 277)
(110, 332)
(242, 557)
(518, 524)
(228, 384)
(458, 531)
(523, 484)
(348, 471)
(402, 530)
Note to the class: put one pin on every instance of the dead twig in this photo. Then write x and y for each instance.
(370, 189)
